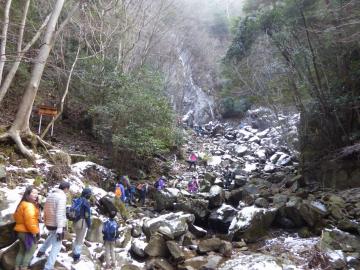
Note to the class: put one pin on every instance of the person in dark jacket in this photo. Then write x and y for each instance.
(82, 224)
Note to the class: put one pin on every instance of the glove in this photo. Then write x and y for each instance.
(59, 234)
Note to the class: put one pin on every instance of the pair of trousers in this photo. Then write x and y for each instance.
(52, 241)
(24, 255)
(80, 229)
(110, 253)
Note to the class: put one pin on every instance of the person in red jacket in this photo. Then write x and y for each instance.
(27, 216)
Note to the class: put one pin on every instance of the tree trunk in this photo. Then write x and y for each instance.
(64, 95)
(4, 38)
(20, 52)
(21, 123)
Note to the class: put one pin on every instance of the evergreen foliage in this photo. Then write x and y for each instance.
(129, 111)
(304, 52)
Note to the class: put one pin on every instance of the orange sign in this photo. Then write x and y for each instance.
(48, 111)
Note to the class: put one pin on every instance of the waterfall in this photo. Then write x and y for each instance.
(195, 98)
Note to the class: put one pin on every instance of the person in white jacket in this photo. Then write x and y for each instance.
(55, 222)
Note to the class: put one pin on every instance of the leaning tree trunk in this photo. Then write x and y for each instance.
(21, 125)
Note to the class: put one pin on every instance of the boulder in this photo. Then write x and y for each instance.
(261, 202)
(138, 248)
(197, 231)
(7, 235)
(159, 264)
(165, 199)
(7, 256)
(216, 196)
(221, 218)
(195, 206)
(136, 231)
(251, 223)
(172, 225)
(175, 251)
(156, 247)
(212, 244)
(209, 176)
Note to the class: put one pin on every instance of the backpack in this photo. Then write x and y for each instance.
(73, 212)
(118, 192)
(110, 230)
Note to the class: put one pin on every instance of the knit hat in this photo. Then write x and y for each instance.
(64, 185)
(86, 192)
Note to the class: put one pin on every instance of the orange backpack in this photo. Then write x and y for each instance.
(118, 192)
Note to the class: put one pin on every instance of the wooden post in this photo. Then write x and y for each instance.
(40, 123)
(47, 111)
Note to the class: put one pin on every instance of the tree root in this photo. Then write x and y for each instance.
(17, 138)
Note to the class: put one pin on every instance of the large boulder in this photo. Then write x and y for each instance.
(195, 206)
(7, 235)
(156, 247)
(251, 223)
(172, 225)
(165, 199)
(138, 248)
(216, 196)
(175, 251)
(221, 218)
(7, 256)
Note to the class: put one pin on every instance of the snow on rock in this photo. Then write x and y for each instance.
(214, 161)
(250, 167)
(244, 217)
(251, 262)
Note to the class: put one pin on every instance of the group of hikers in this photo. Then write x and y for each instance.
(193, 185)
(55, 215)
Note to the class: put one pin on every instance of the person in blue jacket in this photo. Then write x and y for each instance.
(82, 223)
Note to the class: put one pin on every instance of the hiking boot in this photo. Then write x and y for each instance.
(40, 254)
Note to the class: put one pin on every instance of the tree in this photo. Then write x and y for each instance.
(20, 127)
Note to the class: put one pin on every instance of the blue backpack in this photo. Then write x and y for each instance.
(74, 212)
(110, 230)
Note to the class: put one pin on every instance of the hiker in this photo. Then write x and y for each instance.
(82, 222)
(192, 160)
(110, 234)
(193, 185)
(129, 189)
(142, 190)
(160, 184)
(55, 222)
(120, 192)
(228, 176)
(27, 216)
